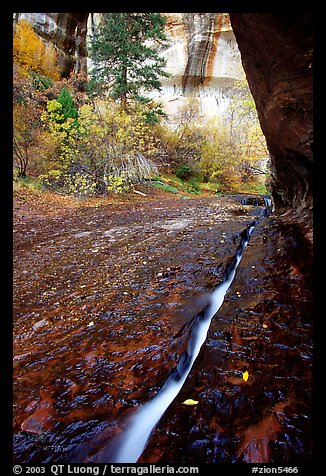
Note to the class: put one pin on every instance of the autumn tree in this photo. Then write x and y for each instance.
(234, 151)
(35, 66)
(125, 55)
(107, 150)
(26, 124)
(32, 54)
(245, 135)
(182, 139)
(60, 122)
(219, 160)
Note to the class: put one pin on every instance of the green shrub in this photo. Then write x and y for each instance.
(69, 108)
(194, 187)
(28, 181)
(184, 172)
(41, 82)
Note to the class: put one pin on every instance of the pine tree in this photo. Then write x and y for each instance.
(125, 54)
(69, 108)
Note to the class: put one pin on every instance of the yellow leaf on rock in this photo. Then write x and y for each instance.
(190, 402)
(245, 375)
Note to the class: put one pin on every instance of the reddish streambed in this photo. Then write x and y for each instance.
(101, 296)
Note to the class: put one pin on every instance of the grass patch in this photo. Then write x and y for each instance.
(210, 187)
(260, 188)
(174, 184)
(177, 185)
(256, 188)
(28, 182)
(165, 187)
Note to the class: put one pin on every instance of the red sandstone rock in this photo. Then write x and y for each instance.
(276, 54)
(38, 422)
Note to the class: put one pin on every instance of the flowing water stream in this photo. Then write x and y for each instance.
(133, 442)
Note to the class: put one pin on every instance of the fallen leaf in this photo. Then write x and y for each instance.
(189, 401)
(245, 375)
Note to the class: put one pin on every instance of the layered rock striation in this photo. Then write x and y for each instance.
(204, 61)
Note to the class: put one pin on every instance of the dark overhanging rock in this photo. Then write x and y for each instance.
(72, 30)
(276, 51)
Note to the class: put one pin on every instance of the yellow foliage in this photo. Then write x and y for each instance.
(190, 401)
(245, 375)
(32, 54)
(129, 132)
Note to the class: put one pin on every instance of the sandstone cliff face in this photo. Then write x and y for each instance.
(203, 60)
(67, 33)
(277, 57)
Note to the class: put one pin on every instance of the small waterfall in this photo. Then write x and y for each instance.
(134, 439)
(265, 202)
(257, 201)
(268, 202)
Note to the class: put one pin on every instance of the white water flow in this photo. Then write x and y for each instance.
(136, 435)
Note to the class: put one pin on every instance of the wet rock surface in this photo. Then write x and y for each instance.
(264, 328)
(101, 296)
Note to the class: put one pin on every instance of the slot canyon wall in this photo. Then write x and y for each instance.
(277, 56)
(203, 57)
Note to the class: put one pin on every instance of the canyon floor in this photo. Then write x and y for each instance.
(103, 292)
